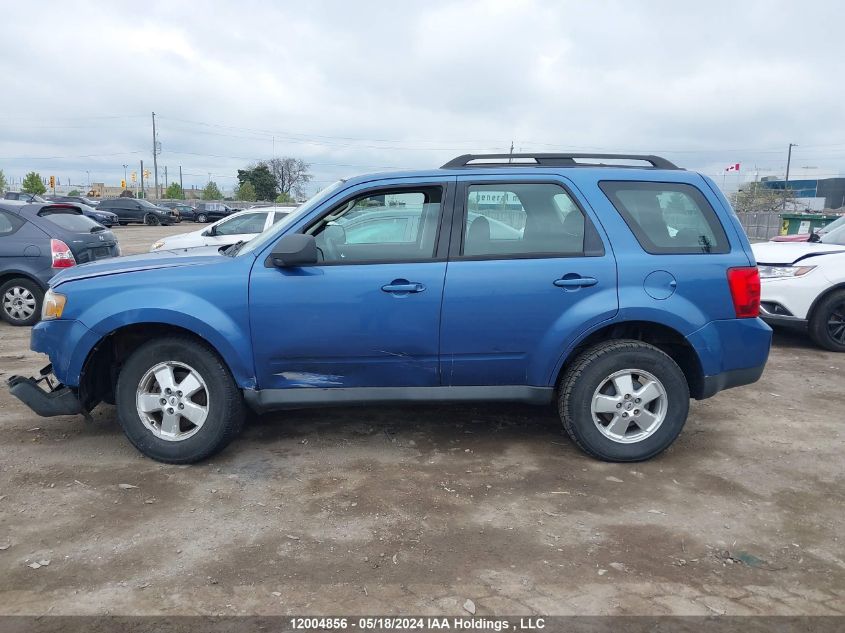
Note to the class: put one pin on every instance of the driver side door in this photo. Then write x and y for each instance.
(368, 313)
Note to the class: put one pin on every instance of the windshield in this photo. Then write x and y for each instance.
(836, 236)
(145, 203)
(273, 232)
(832, 226)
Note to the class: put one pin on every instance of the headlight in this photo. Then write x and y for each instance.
(157, 246)
(54, 305)
(780, 272)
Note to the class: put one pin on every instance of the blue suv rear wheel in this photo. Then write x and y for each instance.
(623, 401)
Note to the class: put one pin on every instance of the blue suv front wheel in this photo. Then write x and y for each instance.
(177, 401)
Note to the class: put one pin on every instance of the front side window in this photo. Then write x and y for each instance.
(668, 218)
(522, 219)
(388, 226)
(249, 223)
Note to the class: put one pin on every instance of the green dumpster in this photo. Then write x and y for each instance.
(804, 223)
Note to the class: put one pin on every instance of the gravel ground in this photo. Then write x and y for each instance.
(414, 510)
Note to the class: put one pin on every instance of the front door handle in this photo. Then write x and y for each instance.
(575, 281)
(403, 286)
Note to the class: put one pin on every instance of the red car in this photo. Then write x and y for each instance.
(806, 237)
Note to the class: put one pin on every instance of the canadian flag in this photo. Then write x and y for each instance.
(732, 167)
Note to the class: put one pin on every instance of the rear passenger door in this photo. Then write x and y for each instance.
(528, 272)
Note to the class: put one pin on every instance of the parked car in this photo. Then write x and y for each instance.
(803, 287)
(589, 302)
(106, 218)
(22, 196)
(91, 202)
(129, 210)
(185, 210)
(238, 227)
(211, 211)
(38, 240)
(812, 236)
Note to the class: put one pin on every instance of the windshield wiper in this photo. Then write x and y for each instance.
(233, 249)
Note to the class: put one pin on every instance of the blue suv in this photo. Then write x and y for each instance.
(616, 291)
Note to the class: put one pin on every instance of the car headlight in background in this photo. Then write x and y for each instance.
(54, 305)
(781, 272)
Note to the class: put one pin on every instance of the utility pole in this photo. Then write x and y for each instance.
(181, 186)
(786, 180)
(165, 177)
(155, 159)
(510, 160)
(143, 193)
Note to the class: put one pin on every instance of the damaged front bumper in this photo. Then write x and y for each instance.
(51, 399)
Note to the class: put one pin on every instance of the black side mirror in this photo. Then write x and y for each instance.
(814, 237)
(296, 249)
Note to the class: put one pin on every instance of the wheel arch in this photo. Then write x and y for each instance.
(8, 275)
(824, 295)
(663, 337)
(103, 362)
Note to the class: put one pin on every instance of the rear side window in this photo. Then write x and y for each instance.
(668, 218)
(69, 220)
(9, 223)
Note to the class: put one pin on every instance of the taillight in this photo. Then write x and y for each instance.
(745, 290)
(62, 255)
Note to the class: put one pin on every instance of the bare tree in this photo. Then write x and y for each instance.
(292, 174)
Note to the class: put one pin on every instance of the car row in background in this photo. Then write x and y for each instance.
(803, 286)
(241, 226)
(36, 241)
(103, 216)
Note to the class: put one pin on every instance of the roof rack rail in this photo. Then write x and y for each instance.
(554, 160)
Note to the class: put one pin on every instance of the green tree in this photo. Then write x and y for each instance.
(32, 183)
(74, 192)
(211, 191)
(174, 191)
(3, 183)
(284, 198)
(262, 180)
(246, 192)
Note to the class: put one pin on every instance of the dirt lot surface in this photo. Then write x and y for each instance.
(414, 510)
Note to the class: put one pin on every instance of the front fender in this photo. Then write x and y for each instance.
(209, 301)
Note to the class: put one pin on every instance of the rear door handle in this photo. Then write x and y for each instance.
(403, 286)
(568, 281)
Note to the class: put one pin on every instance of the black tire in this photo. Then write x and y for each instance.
(20, 289)
(226, 409)
(151, 220)
(591, 369)
(202, 218)
(827, 323)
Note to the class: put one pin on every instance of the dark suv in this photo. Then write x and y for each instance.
(141, 211)
(38, 240)
(212, 211)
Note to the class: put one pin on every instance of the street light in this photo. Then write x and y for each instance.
(124, 173)
(89, 179)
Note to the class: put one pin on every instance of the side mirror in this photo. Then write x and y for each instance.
(814, 237)
(212, 231)
(296, 249)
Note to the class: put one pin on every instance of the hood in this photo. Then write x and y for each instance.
(171, 258)
(792, 252)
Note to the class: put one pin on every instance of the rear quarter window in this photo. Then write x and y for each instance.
(668, 218)
(69, 220)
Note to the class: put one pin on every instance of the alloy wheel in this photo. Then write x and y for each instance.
(836, 323)
(19, 303)
(629, 406)
(172, 401)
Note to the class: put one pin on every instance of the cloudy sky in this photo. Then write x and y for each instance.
(360, 86)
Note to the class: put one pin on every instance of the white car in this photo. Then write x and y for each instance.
(238, 227)
(803, 286)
